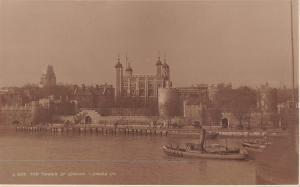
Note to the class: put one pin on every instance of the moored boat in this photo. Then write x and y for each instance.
(241, 154)
(212, 151)
(212, 135)
(255, 147)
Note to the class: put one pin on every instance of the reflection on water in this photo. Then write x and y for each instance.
(91, 159)
(279, 163)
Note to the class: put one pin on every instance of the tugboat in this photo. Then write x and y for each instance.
(209, 152)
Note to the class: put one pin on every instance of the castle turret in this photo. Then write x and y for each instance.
(128, 70)
(165, 73)
(119, 77)
(165, 70)
(158, 67)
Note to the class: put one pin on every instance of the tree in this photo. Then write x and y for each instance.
(224, 97)
(284, 95)
(222, 103)
(243, 103)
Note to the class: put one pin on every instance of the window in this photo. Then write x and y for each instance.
(150, 85)
(142, 92)
(124, 92)
(132, 92)
(142, 84)
(150, 92)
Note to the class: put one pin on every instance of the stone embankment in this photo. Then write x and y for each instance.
(141, 130)
(94, 130)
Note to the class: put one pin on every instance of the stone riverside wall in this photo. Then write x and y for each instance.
(23, 115)
(96, 118)
(257, 120)
(10, 115)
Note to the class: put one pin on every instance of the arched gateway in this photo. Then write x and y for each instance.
(87, 120)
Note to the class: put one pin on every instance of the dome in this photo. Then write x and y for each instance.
(118, 65)
(128, 69)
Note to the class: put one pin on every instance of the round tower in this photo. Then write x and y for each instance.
(168, 102)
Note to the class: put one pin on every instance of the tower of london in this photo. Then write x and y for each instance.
(144, 87)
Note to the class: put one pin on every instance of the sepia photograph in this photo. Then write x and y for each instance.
(140, 92)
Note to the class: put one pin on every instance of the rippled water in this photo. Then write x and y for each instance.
(91, 159)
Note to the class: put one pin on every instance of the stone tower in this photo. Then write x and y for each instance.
(165, 72)
(267, 98)
(119, 78)
(48, 78)
(128, 70)
(158, 67)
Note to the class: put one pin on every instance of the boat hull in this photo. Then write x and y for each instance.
(253, 152)
(196, 154)
(254, 145)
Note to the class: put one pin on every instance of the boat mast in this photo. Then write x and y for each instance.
(293, 56)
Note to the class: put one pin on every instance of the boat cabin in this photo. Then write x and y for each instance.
(192, 146)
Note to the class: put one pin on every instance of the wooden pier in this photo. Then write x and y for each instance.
(120, 131)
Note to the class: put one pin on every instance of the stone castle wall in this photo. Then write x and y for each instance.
(12, 115)
(256, 120)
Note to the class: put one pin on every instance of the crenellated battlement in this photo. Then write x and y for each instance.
(15, 108)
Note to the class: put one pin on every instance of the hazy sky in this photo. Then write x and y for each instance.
(243, 42)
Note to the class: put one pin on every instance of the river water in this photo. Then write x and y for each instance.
(41, 158)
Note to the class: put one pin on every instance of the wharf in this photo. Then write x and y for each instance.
(94, 130)
(140, 130)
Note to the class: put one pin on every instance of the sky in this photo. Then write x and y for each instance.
(238, 41)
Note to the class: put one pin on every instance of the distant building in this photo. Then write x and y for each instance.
(212, 91)
(48, 78)
(194, 110)
(198, 91)
(99, 96)
(267, 98)
(11, 97)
